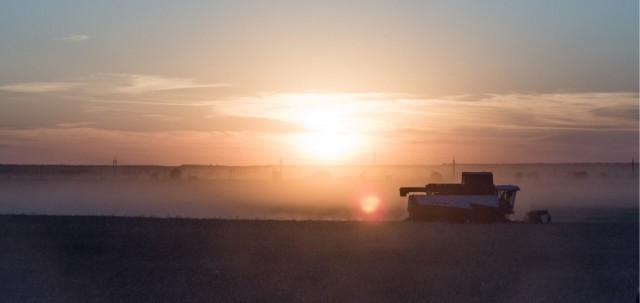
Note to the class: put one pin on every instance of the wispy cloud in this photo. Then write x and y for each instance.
(360, 109)
(74, 124)
(39, 87)
(74, 38)
(137, 83)
(109, 84)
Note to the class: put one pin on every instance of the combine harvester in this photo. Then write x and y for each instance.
(476, 199)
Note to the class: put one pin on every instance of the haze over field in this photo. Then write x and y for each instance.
(224, 82)
(572, 192)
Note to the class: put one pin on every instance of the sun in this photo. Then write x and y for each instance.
(330, 131)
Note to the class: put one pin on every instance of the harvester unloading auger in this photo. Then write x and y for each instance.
(476, 199)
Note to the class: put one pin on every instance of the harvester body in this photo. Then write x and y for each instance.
(476, 199)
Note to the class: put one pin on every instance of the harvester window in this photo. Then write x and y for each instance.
(507, 199)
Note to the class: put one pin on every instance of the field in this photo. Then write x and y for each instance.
(117, 259)
(222, 234)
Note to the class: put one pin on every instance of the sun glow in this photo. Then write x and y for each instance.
(327, 145)
(323, 128)
(331, 132)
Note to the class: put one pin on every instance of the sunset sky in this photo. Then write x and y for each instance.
(318, 82)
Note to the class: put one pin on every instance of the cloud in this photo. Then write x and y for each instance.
(136, 83)
(39, 87)
(358, 111)
(480, 128)
(628, 112)
(75, 38)
(110, 84)
(74, 124)
(125, 113)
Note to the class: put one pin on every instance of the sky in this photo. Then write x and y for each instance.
(318, 82)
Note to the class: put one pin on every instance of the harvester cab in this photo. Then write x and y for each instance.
(507, 197)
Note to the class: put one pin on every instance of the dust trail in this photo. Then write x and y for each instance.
(311, 193)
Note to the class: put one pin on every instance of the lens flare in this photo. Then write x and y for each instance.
(369, 207)
(369, 204)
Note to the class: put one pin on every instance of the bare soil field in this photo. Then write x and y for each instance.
(118, 259)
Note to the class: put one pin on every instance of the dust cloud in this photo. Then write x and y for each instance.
(572, 192)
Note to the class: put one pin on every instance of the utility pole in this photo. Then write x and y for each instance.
(454, 169)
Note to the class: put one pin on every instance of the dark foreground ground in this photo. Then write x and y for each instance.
(112, 259)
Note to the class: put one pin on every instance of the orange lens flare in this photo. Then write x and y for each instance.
(369, 204)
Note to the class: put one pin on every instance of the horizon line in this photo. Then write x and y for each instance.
(344, 165)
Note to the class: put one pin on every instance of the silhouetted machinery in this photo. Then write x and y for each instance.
(476, 199)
